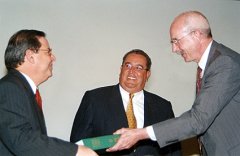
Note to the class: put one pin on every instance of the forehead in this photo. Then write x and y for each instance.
(177, 27)
(43, 41)
(136, 58)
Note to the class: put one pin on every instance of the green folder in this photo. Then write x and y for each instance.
(101, 142)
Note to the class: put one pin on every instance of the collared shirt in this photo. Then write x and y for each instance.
(203, 61)
(202, 64)
(31, 83)
(138, 105)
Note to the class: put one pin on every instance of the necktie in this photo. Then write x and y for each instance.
(130, 114)
(198, 87)
(199, 80)
(38, 99)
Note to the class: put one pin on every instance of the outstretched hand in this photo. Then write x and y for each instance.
(128, 138)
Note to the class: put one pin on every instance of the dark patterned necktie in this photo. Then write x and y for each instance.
(198, 87)
(38, 99)
(199, 80)
(130, 114)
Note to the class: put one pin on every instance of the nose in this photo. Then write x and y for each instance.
(53, 57)
(175, 48)
(131, 70)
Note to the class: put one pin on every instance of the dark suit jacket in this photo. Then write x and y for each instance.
(101, 112)
(22, 126)
(215, 112)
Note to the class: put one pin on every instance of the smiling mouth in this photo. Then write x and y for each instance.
(131, 78)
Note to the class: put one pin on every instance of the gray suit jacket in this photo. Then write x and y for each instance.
(22, 126)
(214, 115)
(101, 112)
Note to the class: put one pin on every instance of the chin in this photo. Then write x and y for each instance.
(186, 59)
(49, 75)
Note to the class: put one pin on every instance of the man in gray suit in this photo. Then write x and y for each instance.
(214, 116)
(29, 61)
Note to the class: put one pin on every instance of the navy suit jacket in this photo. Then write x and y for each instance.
(101, 112)
(22, 126)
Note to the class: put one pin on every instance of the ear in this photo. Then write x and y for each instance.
(197, 34)
(29, 56)
(148, 74)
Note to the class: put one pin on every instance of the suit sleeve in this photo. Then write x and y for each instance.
(221, 83)
(82, 127)
(19, 130)
(173, 149)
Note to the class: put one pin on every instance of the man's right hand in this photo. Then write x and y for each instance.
(128, 138)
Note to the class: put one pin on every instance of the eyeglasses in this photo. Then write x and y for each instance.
(128, 66)
(177, 40)
(48, 50)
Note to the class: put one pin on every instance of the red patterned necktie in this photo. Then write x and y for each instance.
(199, 80)
(38, 99)
(130, 114)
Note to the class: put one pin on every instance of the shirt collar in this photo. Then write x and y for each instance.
(31, 83)
(126, 94)
(203, 61)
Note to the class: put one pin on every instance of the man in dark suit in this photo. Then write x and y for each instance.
(29, 61)
(103, 110)
(214, 116)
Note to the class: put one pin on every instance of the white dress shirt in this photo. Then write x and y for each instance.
(203, 61)
(138, 105)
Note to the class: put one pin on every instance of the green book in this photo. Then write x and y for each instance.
(101, 142)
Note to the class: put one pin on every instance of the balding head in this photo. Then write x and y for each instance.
(190, 35)
(192, 20)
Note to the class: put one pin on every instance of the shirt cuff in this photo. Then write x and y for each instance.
(79, 142)
(151, 133)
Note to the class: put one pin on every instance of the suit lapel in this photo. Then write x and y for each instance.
(213, 54)
(31, 97)
(116, 103)
(148, 114)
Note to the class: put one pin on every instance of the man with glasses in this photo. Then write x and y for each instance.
(29, 61)
(214, 116)
(104, 110)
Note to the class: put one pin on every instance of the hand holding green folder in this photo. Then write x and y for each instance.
(101, 142)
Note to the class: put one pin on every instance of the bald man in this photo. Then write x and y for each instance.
(214, 116)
